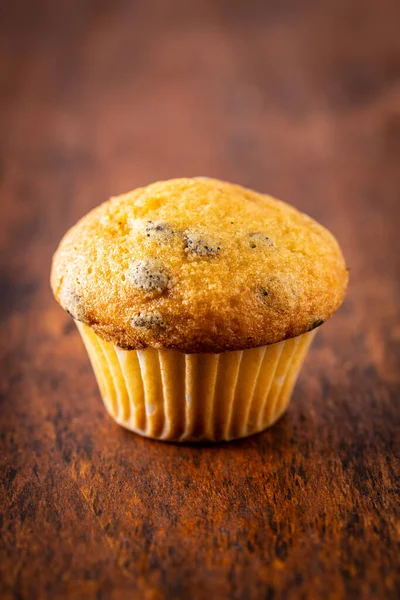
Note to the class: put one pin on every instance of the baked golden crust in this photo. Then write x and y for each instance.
(198, 265)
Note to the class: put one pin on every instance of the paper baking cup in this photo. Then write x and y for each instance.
(169, 395)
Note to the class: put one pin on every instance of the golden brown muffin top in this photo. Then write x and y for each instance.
(198, 265)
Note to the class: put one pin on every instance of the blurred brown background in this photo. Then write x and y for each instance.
(298, 98)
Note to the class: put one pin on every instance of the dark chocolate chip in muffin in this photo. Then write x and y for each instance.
(316, 323)
(263, 292)
(279, 293)
(72, 303)
(148, 275)
(199, 244)
(148, 321)
(160, 231)
(257, 239)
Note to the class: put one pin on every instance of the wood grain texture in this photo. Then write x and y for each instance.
(297, 98)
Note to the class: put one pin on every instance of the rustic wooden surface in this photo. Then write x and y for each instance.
(301, 99)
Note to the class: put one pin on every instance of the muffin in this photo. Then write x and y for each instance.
(197, 301)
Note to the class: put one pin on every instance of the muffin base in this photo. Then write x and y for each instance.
(171, 396)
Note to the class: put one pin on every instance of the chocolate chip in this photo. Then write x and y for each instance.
(124, 346)
(159, 230)
(72, 303)
(259, 239)
(201, 244)
(316, 324)
(148, 321)
(262, 292)
(148, 275)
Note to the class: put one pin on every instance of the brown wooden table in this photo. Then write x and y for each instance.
(300, 99)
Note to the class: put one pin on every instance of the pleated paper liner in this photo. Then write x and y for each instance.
(168, 395)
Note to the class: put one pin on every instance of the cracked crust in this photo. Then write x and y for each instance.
(233, 269)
